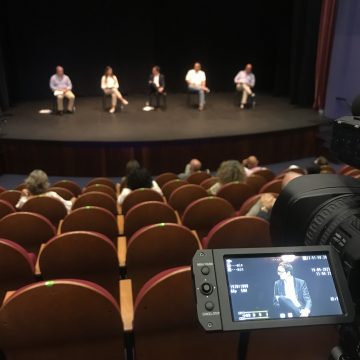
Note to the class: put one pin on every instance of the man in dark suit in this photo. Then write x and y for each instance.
(291, 295)
(156, 84)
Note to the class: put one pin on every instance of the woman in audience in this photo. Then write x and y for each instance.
(138, 179)
(229, 171)
(37, 184)
(131, 165)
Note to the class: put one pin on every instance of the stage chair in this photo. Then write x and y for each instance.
(62, 319)
(239, 232)
(251, 101)
(64, 193)
(102, 181)
(148, 213)
(16, 267)
(198, 177)
(53, 209)
(81, 255)
(249, 203)
(91, 218)
(105, 101)
(140, 196)
(236, 193)
(203, 214)
(171, 186)
(162, 98)
(190, 96)
(256, 182)
(165, 245)
(274, 186)
(100, 188)
(11, 196)
(162, 179)
(6, 208)
(98, 199)
(267, 174)
(208, 183)
(166, 325)
(182, 197)
(69, 185)
(29, 230)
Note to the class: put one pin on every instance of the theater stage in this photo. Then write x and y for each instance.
(93, 142)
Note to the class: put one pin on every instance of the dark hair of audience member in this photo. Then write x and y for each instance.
(132, 165)
(313, 169)
(139, 178)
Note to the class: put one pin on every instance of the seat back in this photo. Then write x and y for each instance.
(96, 198)
(162, 179)
(203, 214)
(182, 197)
(102, 181)
(91, 218)
(52, 209)
(6, 208)
(148, 213)
(64, 193)
(171, 186)
(345, 168)
(256, 182)
(69, 185)
(274, 186)
(208, 183)
(11, 196)
(61, 319)
(353, 173)
(267, 174)
(235, 193)
(198, 177)
(239, 232)
(101, 188)
(166, 325)
(81, 255)
(29, 230)
(139, 196)
(249, 203)
(16, 267)
(156, 248)
(2, 189)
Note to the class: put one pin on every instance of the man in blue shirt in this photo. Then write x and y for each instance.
(245, 81)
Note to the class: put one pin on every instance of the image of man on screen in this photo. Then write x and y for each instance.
(291, 295)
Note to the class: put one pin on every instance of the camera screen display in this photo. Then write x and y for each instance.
(281, 287)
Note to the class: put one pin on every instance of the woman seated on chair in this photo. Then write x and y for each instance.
(138, 179)
(37, 184)
(110, 85)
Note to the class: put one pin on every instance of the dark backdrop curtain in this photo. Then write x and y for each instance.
(4, 94)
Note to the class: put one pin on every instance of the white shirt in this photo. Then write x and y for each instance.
(156, 80)
(243, 77)
(126, 191)
(290, 291)
(67, 203)
(109, 82)
(195, 78)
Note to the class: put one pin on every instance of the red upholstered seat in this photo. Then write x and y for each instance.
(236, 193)
(198, 177)
(256, 182)
(61, 319)
(29, 230)
(267, 174)
(102, 181)
(64, 193)
(239, 232)
(353, 172)
(101, 188)
(139, 196)
(274, 186)
(96, 198)
(69, 185)
(208, 183)
(11, 196)
(345, 168)
(171, 186)
(162, 179)
(6, 208)
(2, 189)
(249, 203)
(297, 170)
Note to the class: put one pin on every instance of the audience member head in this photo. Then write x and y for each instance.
(197, 66)
(231, 170)
(37, 182)
(132, 165)
(59, 70)
(321, 161)
(289, 176)
(195, 165)
(248, 68)
(251, 162)
(139, 178)
(156, 70)
(108, 71)
(313, 169)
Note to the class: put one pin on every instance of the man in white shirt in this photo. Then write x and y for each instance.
(196, 80)
(245, 81)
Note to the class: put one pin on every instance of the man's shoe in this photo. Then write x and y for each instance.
(242, 106)
(201, 107)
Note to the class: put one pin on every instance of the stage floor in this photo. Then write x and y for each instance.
(221, 118)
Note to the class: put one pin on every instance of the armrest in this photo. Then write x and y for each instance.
(126, 304)
(178, 219)
(120, 224)
(119, 209)
(37, 265)
(59, 227)
(7, 296)
(121, 250)
(117, 189)
(164, 200)
(197, 239)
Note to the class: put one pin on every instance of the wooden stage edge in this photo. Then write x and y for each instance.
(109, 158)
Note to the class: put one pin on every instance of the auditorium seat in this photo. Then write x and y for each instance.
(64, 193)
(100, 188)
(139, 196)
(239, 232)
(29, 230)
(198, 177)
(53, 209)
(274, 186)
(352, 173)
(292, 170)
(267, 174)
(61, 319)
(327, 169)
(248, 204)
(171, 186)
(81, 255)
(20, 187)
(69, 185)
(11, 196)
(6, 208)
(182, 197)
(91, 218)
(158, 247)
(148, 213)
(256, 182)
(203, 214)
(102, 181)
(16, 267)
(2, 189)
(162, 179)
(345, 168)
(96, 198)
(166, 325)
(208, 183)
(235, 193)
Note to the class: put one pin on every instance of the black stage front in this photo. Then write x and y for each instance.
(92, 142)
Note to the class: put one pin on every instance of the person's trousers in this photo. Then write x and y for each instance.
(115, 95)
(60, 101)
(246, 91)
(201, 93)
(154, 91)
